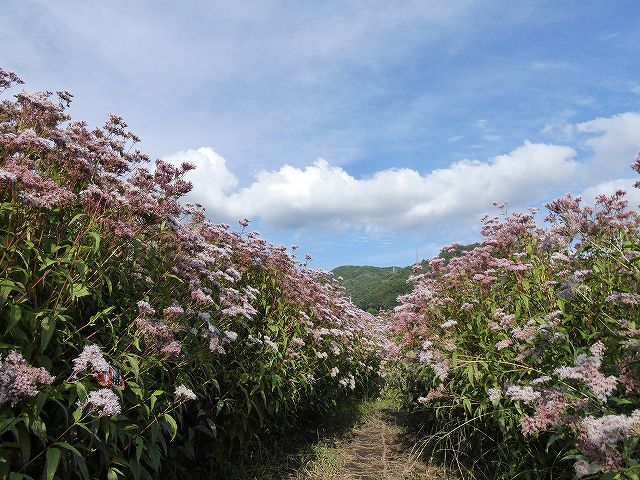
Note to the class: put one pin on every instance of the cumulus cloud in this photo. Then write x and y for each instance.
(322, 195)
(616, 140)
(609, 187)
(211, 179)
(325, 196)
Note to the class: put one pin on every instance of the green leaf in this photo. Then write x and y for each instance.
(174, 426)
(96, 241)
(154, 398)
(471, 375)
(48, 328)
(77, 457)
(81, 267)
(553, 439)
(212, 427)
(15, 314)
(609, 476)
(139, 447)
(19, 476)
(154, 457)
(24, 441)
(467, 404)
(53, 458)
(7, 423)
(135, 366)
(78, 290)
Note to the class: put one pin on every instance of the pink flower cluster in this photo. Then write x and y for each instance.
(200, 284)
(91, 356)
(183, 393)
(537, 294)
(18, 380)
(104, 402)
(159, 336)
(525, 394)
(433, 394)
(587, 370)
(550, 408)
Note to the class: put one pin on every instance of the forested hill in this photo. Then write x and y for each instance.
(372, 288)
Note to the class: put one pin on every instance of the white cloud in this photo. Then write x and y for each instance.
(545, 65)
(492, 137)
(616, 143)
(609, 187)
(211, 179)
(323, 196)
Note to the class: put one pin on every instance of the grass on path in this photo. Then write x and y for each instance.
(369, 440)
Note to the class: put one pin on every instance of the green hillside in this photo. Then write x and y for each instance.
(373, 288)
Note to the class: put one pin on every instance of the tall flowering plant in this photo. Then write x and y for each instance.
(137, 334)
(523, 352)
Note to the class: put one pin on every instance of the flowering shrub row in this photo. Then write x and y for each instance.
(136, 334)
(524, 352)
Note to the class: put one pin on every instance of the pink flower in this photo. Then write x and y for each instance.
(183, 393)
(606, 431)
(171, 349)
(18, 380)
(145, 310)
(90, 356)
(174, 311)
(270, 343)
(297, 342)
(215, 346)
(549, 410)
(348, 382)
(103, 401)
(441, 369)
(597, 349)
(8, 79)
(449, 323)
(624, 297)
(230, 336)
(495, 394)
(587, 369)
(201, 299)
(525, 394)
(433, 394)
(582, 468)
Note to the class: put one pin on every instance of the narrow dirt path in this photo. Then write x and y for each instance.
(381, 448)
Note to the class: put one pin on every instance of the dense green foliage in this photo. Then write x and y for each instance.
(137, 336)
(523, 354)
(374, 288)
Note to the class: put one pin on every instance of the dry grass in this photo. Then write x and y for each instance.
(369, 441)
(380, 449)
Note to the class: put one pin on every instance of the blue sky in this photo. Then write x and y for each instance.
(361, 131)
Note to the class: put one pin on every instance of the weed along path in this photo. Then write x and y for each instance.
(379, 447)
